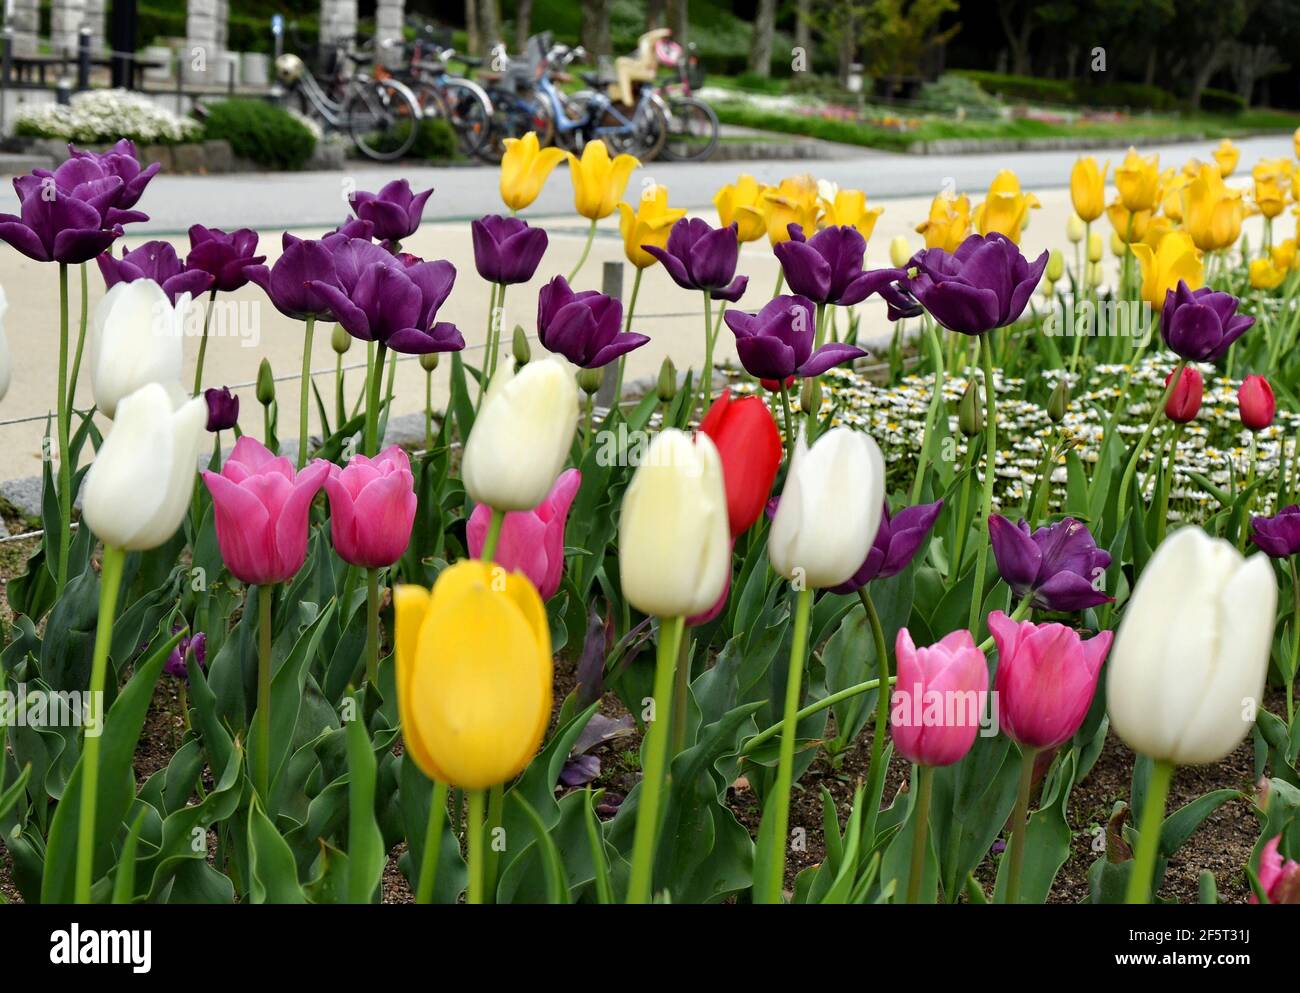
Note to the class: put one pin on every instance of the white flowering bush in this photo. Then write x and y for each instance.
(106, 116)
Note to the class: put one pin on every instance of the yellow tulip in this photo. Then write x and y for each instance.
(1172, 193)
(1226, 155)
(1138, 180)
(741, 202)
(1118, 247)
(1005, 209)
(1156, 231)
(948, 224)
(1130, 226)
(598, 180)
(1176, 258)
(1270, 195)
(848, 208)
(1265, 274)
(1212, 212)
(1088, 188)
(649, 224)
(473, 674)
(1284, 255)
(524, 169)
(1295, 140)
(794, 201)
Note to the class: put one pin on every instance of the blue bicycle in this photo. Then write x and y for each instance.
(592, 114)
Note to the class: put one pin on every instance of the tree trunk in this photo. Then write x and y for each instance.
(848, 46)
(802, 27)
(760, 51)
(595, 26)
(656, 14)
(1017, 38)
(523, 23)
(489, 19)
(679, 19)
(1150, 78)
(1203, 70)
(474, 42)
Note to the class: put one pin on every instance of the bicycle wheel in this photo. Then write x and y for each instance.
(692, 131)
(644, 139)
(513, 117)
(381, 118)
(469, 113)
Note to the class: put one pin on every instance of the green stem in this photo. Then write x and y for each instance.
(932, 411)
(706, 378)
(493, 535)
(303, 391)
(432, 844)
(428, 411)
(372, 627)
(789, 421)
(769, 890)
(874, 770)
(780, 281)
(1253, 462)
(990, 467)
(64, 428)
(1163, 519)
(1153, 817)
(496, 327)
(586, 250)
(826, 702)
(487, 344)
(627, 326)
(1295, 644)
(1020, 824)
(656, 757)
(963, 503)
(681, 691)
(203, 342)
(110, 582)
(340, 404)
(1023, 610)
(590, 406)
(375, 381)
(262, 771)
(81, 341)
(921, 839)
(474, 844)
(1127, 479)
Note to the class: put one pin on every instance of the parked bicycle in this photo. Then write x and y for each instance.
(693, 130)
(379, 113)
(458, 100)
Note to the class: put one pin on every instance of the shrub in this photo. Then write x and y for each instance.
(435, 140)
(260, 131)
(1021, 87)
(950, 92)
(1221, 101)
(1136, 95)
(105, 116)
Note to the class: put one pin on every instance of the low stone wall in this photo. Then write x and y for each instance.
(191, 158)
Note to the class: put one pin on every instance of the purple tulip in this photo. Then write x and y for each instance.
(223, 409)
(70, 225)
(899, 303)
(1279, 535)
(506, 249)
(376, 296)
(777, 342)
(1056, 565)
(155, 260)
(225, 255)
(195, 645)
(1200, 325)
(896, 544)
(291, 282)
(395, 212)
(120, 161)
(583, 327)
(986, 283)
(828, 267)
(700, 257)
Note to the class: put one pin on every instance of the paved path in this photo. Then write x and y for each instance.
(318, 199)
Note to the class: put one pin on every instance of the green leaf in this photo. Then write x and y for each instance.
(557, 889)
(274, 876)
(366, 855)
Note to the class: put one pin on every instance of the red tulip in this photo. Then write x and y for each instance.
(1185, 401)
(775, 385)
(1255, 400)
(750, 447)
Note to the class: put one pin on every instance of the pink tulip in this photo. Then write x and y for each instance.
(1279, 878)
(1046, 678)
(261, 509)
(938, 699)
(372, 508)
(531, 541)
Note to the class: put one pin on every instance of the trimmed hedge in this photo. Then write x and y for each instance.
(260, 131)
(1221, 101)
(1084, 93)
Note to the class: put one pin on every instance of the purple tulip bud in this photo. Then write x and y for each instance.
(191, 645)
(583, 327)
(1200, 325)
(226, 256)
(700, 257)
(777, 342)
(986, 283)
(506, 249)
(828, 267)
(1279, 535)
(223, 409)
(395, 212)
(899, 539)
(1057, 565)
(156, 260)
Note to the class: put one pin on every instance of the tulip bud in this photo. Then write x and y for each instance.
(521, 435)
(429, 361)
(589, 380)
(265, 384)
(1118, 247)
(138, 337)
(1186, 673)
(519, 346)
(818, 538)
(1255, 403)
(1095, 246)
(666, 387)
(674, 543)
(1074, 228)
(1096, 275)
(810, 395)
(1049, 291)
(340, 340)
(1059, 402)
(1185, 401)
(899, 251)
(970, 411)
(139, 486)
(1055, 265)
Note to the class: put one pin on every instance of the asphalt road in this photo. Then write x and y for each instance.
(268, 201)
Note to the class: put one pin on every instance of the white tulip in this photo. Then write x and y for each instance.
(830, 508)
(138, 337)
(1187, 669)
(521, 436)
(139, 486)
(674, 542)
(6, 368)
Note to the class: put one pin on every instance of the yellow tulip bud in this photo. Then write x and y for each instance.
(473, 674)
(1075, 228)
(1096, 247)
(1117, 246)
(524, 169)
(1265, 274)
(1096, 275)
(1088, 188)
(899, 251)
(1055, 265)
(598, 180)
(1226, 156)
